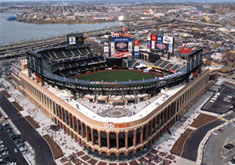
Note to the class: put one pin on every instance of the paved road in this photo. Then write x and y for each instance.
(14, 157)
(192, 143)
(217, 146)
(43, 155)
(230, 116)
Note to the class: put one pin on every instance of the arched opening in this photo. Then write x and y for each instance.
(89, 133)
(130, 155)
(138, 152)
(95, 136)
(121, 139)
(130, 138)
(103, 137)
(149, 129)
(89, 150)
(103, 155)
(153, 125)
(84, 130)
(112, 140)
(138, 136)
(79, 127)
(144, 133)
(112, 156)
(96, 153)
(121, 156)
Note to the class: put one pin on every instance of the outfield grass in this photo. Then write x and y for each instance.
(116, 75)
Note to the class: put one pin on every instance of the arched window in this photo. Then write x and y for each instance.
(144, 132)
(121, 156)
(95, 136)
(112, 140)
(112, 156)
(138, 136)
(103, 137)
(84, 130)
(121, 139)
(130, 138)
(89, 133)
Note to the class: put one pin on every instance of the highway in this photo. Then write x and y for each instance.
(43, 154)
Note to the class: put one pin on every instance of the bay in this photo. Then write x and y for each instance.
(14, 32)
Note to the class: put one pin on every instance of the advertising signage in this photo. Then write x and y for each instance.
(136, 48)
(168, 40)
(159, 39)
(121, 46)
(161, 46)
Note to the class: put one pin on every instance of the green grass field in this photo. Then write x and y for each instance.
(116, 75)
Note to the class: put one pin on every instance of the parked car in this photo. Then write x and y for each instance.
(25, 152)
(4, 153)
(14, 137)
(15, 150)
(4, 159)
(20, 145)
(10, 133)
(18, 141)
(3, 149)
(229, 146)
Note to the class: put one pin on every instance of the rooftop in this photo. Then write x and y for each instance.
(96, 110)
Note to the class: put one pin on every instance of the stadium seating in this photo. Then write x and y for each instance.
(166, 65)
(72, 61)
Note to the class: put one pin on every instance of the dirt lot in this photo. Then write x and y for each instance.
(56, 150)
(5, 93)
(17, 106)
(202, 119)
(178, 146)
(32, 122)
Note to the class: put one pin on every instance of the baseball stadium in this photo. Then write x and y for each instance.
(115, 108)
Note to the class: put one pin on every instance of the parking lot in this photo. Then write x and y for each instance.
(222, 101)
(12, 146)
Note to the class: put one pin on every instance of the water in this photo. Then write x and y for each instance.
(13, 31)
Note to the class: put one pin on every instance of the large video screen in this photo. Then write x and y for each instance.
(161, 46)
(121, 46)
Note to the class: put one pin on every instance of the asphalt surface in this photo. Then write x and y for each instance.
(14, 157)
(220, 105)
(192, 143)
(217, 146)
(43, 155)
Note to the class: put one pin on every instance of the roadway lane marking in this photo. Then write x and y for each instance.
(223, 119)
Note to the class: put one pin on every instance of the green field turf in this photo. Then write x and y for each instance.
(116, 75)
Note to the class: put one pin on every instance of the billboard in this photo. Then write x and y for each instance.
(159, 39)
(170, 48)
(154, 38)
(148, 36)
(75, 39)
(121, 54)
(148, 44)
(136, 48)
(161, 47)
(168, 40)
(112, 47)
(106, 49)
(121, 46)
(72, 40)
